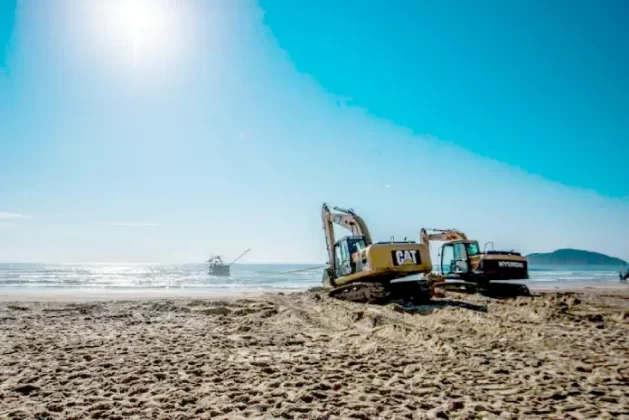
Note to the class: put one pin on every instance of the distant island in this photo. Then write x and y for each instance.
(573, 257)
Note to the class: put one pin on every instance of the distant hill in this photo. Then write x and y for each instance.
(573, 257)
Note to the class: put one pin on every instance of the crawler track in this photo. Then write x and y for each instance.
(490, 289)
(382, 293)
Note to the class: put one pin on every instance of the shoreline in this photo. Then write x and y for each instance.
(94, 295)
(125, 295)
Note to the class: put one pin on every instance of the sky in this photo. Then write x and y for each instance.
(164, 131)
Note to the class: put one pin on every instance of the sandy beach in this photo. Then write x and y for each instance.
(304, 355)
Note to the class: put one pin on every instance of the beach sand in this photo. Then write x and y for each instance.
(304, 355)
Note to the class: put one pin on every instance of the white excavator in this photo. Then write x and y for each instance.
(362, 270)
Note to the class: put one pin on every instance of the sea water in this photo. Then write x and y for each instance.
(243, 278)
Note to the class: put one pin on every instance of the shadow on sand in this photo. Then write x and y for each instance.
(492, 290)
(435, 305)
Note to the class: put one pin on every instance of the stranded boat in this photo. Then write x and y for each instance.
(219, 268)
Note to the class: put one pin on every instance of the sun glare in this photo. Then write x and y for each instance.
(143, 33)
(142, 23)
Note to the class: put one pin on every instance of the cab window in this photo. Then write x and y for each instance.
(459, 252)
(472, 249)
(339, 255)
(447, 256)
(344, 252)
(360, 244)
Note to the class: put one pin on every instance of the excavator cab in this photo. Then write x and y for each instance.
(344, 250)
(459, 257)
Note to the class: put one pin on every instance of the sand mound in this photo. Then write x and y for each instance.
(305, 355)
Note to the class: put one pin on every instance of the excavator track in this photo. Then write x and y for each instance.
(362, 292)
(380, 292)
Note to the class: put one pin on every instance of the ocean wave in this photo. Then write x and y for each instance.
(196, 277)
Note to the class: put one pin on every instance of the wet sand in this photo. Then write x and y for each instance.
(304, 355)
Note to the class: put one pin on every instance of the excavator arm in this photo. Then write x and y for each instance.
(344, 218)
(445, 235)
(328, 228)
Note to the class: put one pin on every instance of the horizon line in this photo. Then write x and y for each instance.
(156, 263)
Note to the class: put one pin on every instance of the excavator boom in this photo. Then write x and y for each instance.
(344, 218)
(349, 220)
(445, 235)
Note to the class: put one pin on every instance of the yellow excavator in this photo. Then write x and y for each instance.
(461, 259)
(361, 270)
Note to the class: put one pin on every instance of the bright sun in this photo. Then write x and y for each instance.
(141, 32)
(142, 22)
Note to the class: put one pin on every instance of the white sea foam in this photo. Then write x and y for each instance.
(244, 277)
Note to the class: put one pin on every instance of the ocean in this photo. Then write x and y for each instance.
(244, 277)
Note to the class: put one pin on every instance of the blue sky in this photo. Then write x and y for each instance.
(167, 133)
